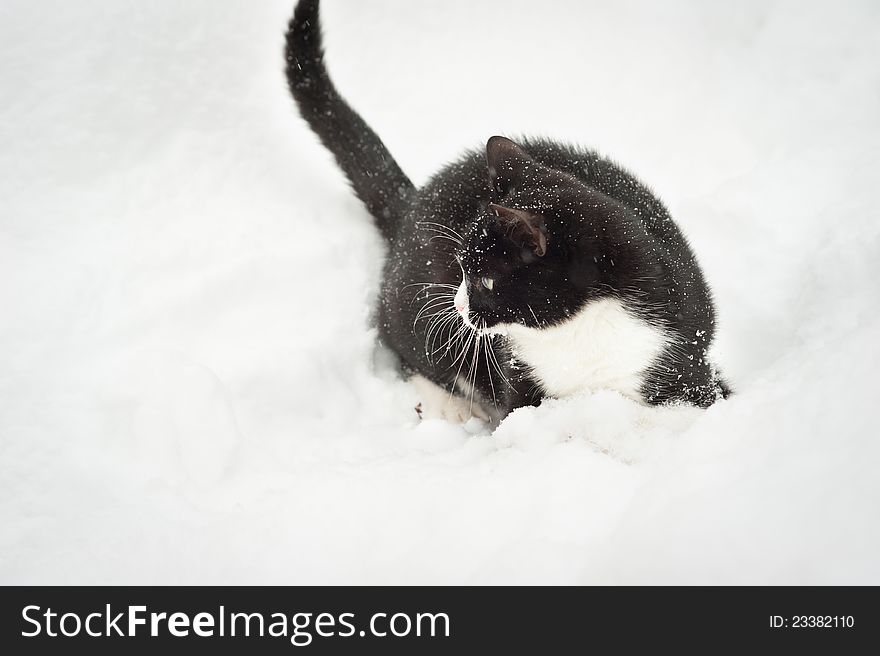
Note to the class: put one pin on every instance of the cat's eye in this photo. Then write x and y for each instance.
(488, 283)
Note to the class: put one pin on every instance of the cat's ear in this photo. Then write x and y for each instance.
(524, 228)
(505, 160)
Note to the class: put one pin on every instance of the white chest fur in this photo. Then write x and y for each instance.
(601, 347)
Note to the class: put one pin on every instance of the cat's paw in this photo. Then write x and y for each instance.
(437, 403)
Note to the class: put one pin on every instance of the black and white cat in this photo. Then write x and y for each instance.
(532, 269)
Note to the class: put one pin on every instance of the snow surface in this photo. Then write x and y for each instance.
(190, 387)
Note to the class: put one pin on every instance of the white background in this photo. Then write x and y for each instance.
(189, 387)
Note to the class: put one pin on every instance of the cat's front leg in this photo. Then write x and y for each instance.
(438, 403)
(522, 390)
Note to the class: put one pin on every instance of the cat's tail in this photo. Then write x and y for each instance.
(375, 176)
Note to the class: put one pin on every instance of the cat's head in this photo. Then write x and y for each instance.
(533, 257)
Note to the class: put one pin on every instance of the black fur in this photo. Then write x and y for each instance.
(553, 226)
(374, 175)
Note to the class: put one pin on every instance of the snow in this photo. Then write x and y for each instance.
(191, 388)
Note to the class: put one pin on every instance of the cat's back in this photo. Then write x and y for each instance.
(613, 180)
(460, 190)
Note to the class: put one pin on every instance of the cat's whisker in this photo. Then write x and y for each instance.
(491, 351)
(456, 346)
(473, 368)
(454, 337)
(447, 237)
(462, 356)
(435, 299)
(444, 320)
(489, 367)
(429, 295)
(451, 343)
(426, 295)
(434, 326)
(469, 341)
(430, 284)
(428, 316)
(440, 231)
(442, 235)
(431, 304)
(442, 226)
(439, 227)
(533, 314)
(467, 338)
(434, 320)
(446, 324)
(466, 335)
(428, 292)
(442, 313)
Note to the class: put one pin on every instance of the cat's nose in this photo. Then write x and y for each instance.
(459, 307)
